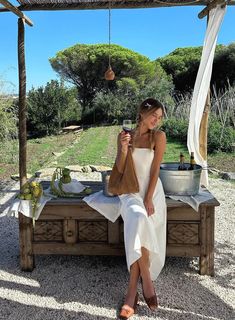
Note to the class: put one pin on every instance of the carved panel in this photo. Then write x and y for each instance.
(183, 233)
(48, 230)
(93, 231)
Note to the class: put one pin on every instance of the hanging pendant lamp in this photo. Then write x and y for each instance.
(109, 74)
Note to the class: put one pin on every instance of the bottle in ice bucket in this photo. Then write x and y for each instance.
(182, 165)
(192, 162)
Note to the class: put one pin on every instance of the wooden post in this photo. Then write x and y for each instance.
(25, 224)
(22, 104)
(204, 128)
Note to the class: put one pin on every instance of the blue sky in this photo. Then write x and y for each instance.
(151, 32)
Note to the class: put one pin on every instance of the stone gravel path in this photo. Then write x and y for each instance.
(70, 287)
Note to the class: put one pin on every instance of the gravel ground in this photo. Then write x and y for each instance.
(70, 287)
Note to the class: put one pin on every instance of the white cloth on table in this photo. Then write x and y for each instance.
(139, 229)
(196, 200)
(107, 206)
(25, 207)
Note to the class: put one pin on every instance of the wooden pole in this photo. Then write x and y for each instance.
(25, 223)
(204, 128)
(22, 103)
(203, 131)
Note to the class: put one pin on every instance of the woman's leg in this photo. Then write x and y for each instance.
(133, 284)
(144, 265)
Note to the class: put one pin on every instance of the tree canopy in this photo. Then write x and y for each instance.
(183, 64)
(50, 107)
(84, 65)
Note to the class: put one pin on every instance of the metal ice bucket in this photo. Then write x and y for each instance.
(176, 182)
(105, 180)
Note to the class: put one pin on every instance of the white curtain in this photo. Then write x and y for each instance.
(202, 85)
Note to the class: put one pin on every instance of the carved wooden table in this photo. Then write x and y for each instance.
(70, 227)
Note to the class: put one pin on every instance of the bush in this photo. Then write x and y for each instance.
(176, 129)
(219, 138)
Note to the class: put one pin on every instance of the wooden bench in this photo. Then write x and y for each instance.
(70, 227)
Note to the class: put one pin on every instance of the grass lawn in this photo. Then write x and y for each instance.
(98, 146)
(95, 145)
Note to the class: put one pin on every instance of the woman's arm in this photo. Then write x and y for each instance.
(122, 148)
(160, 145)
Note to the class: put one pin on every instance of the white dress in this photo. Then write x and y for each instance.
(139, 229)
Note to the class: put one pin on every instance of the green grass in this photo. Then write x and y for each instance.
(96, 145)
(222, 161)
(40, 151)
(173, 150)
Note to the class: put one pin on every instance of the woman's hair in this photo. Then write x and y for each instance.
(147, 107)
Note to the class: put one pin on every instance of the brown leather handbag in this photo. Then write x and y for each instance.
(126, 182)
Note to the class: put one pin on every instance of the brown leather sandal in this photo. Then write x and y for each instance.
(152, 302)
(126, 311)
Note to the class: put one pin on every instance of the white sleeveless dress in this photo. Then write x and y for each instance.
(139, 229)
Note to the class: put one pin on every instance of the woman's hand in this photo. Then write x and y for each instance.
(124, 140)
(148, 203)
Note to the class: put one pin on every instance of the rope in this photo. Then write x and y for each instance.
(109, 32)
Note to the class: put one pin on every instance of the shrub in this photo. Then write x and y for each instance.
(176, 128)
(220, 138)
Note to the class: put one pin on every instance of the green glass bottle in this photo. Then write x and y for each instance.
(182, 165)
(192, 162)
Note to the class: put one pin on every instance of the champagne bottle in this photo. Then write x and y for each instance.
(192, 162)
(182, 165)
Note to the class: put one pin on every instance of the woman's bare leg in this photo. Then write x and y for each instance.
(133, 284)
(144, 265)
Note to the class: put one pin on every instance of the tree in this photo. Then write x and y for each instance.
(51, 107)
(178, 63)
(183, 65)
(85, 65)
(224, 67)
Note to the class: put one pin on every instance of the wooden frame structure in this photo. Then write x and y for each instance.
(54, 5)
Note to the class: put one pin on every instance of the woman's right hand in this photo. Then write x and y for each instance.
(124, 140)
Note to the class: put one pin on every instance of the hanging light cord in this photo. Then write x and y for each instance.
(109, 32)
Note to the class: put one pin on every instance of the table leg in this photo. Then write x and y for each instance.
(26, 243)
(206, 261)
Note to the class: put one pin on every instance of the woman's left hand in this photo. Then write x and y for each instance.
(148, 203)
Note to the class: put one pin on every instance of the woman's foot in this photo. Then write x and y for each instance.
(149, 294)
(128, 309)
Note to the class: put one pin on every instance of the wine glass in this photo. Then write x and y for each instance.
(127, 126)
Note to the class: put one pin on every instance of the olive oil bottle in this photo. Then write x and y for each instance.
(182, 165)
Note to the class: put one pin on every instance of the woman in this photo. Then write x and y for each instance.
(144, 213)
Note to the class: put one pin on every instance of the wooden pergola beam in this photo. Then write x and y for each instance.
(15, 10)
(210, 6)
(104, 5)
